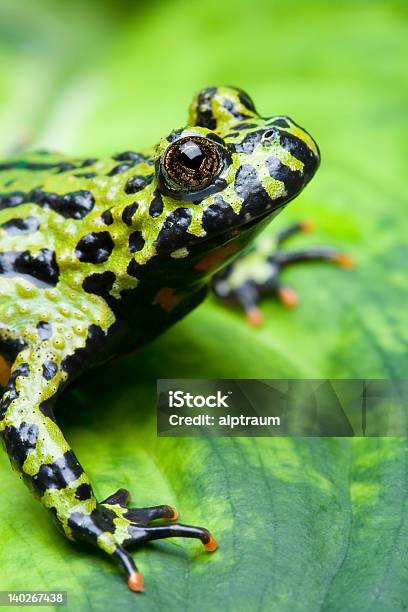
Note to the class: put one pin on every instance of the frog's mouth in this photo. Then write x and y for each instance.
(270, 214)
(250, 224)
(224, 227)
(240, 234)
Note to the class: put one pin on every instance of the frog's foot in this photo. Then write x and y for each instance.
(258, 273)
(114, 528)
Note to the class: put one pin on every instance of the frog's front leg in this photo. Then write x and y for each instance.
(39, 451)
(258, 272)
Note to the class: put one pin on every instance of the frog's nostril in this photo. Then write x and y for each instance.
(268, 135)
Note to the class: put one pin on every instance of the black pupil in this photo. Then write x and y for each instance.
(191, 156)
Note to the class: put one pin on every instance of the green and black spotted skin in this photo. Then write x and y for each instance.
(99, 256)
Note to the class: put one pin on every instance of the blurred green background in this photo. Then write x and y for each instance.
(303, 524)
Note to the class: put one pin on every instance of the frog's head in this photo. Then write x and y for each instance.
(223, 177)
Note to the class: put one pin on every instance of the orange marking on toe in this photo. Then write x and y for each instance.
(254, 317)
(307, 226)
(288, 297)
(4, 372)
(211, 544)
(167, 298)
(213, 260)
(344, 261)
(135, 582)
(175, 515)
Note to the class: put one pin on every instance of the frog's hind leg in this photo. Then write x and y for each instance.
(39, 451)
(258, 273)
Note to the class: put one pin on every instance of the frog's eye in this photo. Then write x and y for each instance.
(191, 162)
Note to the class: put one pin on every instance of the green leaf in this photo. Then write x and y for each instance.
(303, 524)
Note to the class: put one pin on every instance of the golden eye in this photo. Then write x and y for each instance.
(191, 162)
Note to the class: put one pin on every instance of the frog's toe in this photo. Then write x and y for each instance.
(121, 497)
(254, 316)
(287, 296)
(142, 533)
(140, 515)
(135, 582)
(125, 561)
(145, 515)
(344, 261)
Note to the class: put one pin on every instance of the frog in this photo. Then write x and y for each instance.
(99, 256)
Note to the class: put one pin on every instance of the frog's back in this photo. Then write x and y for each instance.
(39, 187)
(51, 207)
(52, 186)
